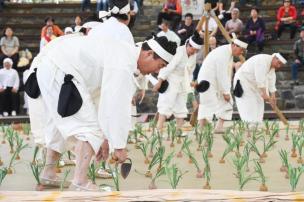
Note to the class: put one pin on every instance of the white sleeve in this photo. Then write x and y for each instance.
(223, 76)
(114, 113)
(17, 81)
(166, 71)
(42, 44)
(260, 74)
(272, 82)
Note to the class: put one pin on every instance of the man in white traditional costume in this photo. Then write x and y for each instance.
(116, 26)
(254, 83)
(171, 35)
(9, 86)
(214, 84)
(67, 78)
(36, 106)
(178, 73)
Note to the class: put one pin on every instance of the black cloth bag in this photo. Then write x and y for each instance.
(70, 100)
(203, 86)
(31, 86)
(238, 90)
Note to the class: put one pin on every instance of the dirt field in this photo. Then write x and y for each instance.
(222, 175)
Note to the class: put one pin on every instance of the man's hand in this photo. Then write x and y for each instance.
(265, 97)
(181, 31)
(103, 152)
(157, 86)
(226, 97)
(193, 84)
(14, 90)
(120, 155)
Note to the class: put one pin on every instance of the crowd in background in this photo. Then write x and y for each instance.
(172, 23)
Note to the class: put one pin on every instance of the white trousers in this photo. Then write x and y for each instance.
(213, 103)
(250, 105)
(173, 101)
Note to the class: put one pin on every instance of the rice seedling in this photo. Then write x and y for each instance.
(36, 150)
(3, 173)
(137, 133)
(172, 132)
(284, 160)
(200, 139)
(190, 155)
(230, 147)
(267, 125)
(246, 152)
(92, 172)
(65, 176)
(237, 138)
(209, 139)
(20, 146)
(155, 160)
(186, 149)
(260, 172)
(186, 144)
(239, 164)
(11, 162)
(153, 143)
(276, 127)
(159, 173)
(207, 170)
(143, 146)
(301, 126)
(3, 132)
(300, 145)
(255, 149)
(10, 135)
(294, 176)
(36, 171)
(196, 129)
(115, 176)
(174, 175)
(287, 132)
(26, 128)
(152, 125)
(295, 138)
(267, 146)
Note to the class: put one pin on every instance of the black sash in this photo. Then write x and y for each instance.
(31, 86)
(238, 90)
(70, 100)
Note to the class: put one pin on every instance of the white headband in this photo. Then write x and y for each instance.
(126, 9)
(160, 51)
(8, 60)
(91, 24)
(280, 57)
(194, 45)
(238, 42)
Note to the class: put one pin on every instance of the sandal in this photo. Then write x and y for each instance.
(77, 187)
(47, 182)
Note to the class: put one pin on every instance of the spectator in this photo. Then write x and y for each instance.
(49, 21)
(48, 37)
(299, 54)
(9, 85)
(235, 25)
(133, 13)
(286, 17)
(9, 46)
(171, 36)
(68, 30)
(186, 29)
(171, 11)
(225, 15)
(78, 22)
(102, 5)
(212, 28)
(255, 29)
